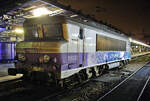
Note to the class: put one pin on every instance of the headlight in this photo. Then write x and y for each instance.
(21, 57)
(46, 58)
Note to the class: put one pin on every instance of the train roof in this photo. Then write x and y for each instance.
(65, 19)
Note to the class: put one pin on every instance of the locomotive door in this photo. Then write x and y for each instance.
(75, 47)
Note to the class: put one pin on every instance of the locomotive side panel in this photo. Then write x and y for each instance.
(115, 49)
(111, 50)
(71, 33)
(90, 47)
(83, 41)
(63, 48)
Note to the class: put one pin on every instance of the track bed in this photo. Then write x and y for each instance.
(131, 88)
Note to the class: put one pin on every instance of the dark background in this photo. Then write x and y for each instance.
(130, 16)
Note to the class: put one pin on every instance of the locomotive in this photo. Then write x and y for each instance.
(56, 48)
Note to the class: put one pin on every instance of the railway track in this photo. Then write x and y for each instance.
(144, 96)
(25, 92)
(20, 90)
(142, 92)
(11, 86)
(61, 94)
(132, 88)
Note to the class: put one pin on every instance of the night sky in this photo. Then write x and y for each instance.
(131, 16)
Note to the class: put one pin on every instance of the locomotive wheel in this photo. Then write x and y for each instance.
(83, 74)
(101, 70)
(105, 68)
(126, 61)
(89, 73)
(60, 83)
(79, 78)
(122, 63)
(96, 71)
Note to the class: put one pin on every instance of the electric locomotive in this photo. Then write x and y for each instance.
(59, 47)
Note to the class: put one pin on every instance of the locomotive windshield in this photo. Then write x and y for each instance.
(43, 32)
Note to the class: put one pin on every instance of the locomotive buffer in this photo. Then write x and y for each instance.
(130, 89)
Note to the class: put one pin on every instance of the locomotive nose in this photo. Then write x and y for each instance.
(39, 57)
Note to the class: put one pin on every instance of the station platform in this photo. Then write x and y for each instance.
(139, 54)
(132, 88)
(4, 72)
(4, 68)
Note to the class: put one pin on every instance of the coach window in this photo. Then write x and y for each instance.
(110, 44)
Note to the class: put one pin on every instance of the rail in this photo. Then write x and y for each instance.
(138, 55)
(143, 89)
(135, 83)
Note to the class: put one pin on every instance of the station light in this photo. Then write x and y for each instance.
(75, 15)
(130, 39)
(2, 29)
(19, 30)
(45, 11)
(40, 11)
(138, 42)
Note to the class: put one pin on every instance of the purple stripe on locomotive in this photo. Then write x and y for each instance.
(77, 60)
(91, 59)
(71, 59)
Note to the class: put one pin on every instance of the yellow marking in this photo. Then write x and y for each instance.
(65, 32)
(39, 47)
(32, 50)
(46, 45)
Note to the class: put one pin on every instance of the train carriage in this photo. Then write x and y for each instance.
(58, 47)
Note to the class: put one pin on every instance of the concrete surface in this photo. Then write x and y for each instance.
(4, 72)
